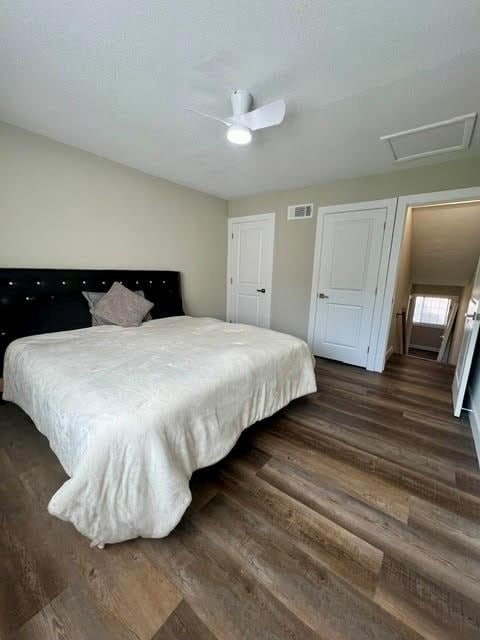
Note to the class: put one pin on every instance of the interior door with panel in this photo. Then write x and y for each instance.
(350, 255)
(465, 357)
(250, 258)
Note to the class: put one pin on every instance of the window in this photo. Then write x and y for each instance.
(429, 310)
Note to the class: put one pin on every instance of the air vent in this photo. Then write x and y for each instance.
(431, 139)
(300, 211)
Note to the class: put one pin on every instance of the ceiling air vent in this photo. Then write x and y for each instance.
(300, 211)
(439, 137)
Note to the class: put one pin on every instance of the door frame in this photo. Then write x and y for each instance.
(454, 300)
(390, 205)
(451, 196)
(265, 217)
(460, 390)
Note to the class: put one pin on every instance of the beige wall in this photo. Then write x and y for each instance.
(402, 291)
(62, 207)
(446, 243)
(294, 240)
(436, 289)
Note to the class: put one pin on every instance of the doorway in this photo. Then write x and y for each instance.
(433, 329)
(250, 269)
(437, 282)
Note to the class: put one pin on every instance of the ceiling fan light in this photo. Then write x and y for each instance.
(238, 134)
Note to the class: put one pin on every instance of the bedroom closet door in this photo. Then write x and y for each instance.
(250, 267)
(352, 245)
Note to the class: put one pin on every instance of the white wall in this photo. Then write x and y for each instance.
(62, 207)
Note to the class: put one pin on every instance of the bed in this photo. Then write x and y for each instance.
(132, 412)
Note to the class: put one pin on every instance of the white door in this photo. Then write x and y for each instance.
(351, 250)
(472, 324)
(250, 262)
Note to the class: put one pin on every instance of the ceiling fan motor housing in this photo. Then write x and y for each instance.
(241, 102)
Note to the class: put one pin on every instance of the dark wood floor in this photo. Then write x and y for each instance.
(353, 514)
(422, 353)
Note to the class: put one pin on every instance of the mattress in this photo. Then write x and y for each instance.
(132, 412)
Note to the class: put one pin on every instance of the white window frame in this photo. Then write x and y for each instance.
(431, 295)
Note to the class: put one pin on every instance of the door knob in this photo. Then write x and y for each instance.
(322, 295)
(261, 290)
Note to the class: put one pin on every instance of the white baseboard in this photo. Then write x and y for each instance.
(474, 418)
(423, 347)
(389, 353)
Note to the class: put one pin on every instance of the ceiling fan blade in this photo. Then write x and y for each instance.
(266, 116)
(207, 115)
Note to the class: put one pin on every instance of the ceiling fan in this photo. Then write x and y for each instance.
(243, 121)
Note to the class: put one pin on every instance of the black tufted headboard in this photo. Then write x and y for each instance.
(44, 300)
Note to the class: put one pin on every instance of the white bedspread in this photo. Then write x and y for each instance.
(131, 413)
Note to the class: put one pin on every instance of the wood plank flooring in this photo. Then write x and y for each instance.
(353, 514)
(422, 353)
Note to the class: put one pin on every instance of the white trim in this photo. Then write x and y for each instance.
(389, 354)
(404, 203)
(432, 325)
(469, 124)
(259, 216)
(474, 419)
(389, 204)
(265, 217)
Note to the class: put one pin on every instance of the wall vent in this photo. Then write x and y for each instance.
(300, 211)
(440, 137)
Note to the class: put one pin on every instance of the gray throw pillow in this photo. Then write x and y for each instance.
(92, 297)
(122, 307)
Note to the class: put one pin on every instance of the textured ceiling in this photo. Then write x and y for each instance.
(113, 78)
(445, 244)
